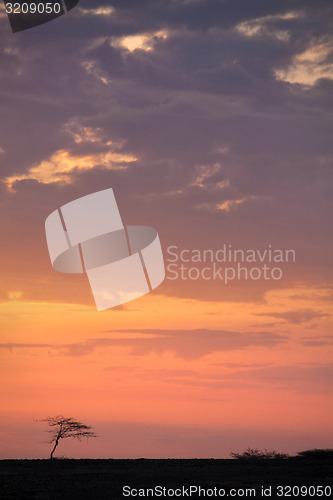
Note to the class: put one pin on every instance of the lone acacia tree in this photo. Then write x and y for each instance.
(62, 428)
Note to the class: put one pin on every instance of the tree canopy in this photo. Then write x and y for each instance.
(62, 428)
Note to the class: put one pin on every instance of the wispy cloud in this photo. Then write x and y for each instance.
(20, 345)
(302, 378)
(296, 317)
(306, 378)
(309, 66)
(62, 164)
(187, 344)
(319, 341)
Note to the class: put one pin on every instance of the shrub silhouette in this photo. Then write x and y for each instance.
(255, 454)
(316, 453)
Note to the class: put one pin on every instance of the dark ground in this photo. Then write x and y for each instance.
(104, 479)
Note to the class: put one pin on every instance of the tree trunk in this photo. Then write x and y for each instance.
(54, 447)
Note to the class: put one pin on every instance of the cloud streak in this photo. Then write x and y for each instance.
(296, 317)
(186, 344)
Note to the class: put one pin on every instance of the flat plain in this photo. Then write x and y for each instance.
(105, 479)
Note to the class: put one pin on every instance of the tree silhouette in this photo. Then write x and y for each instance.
(254, 453)
(62, 428)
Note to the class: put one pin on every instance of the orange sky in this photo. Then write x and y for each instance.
(118, 366)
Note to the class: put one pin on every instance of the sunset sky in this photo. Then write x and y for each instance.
(212, 122)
